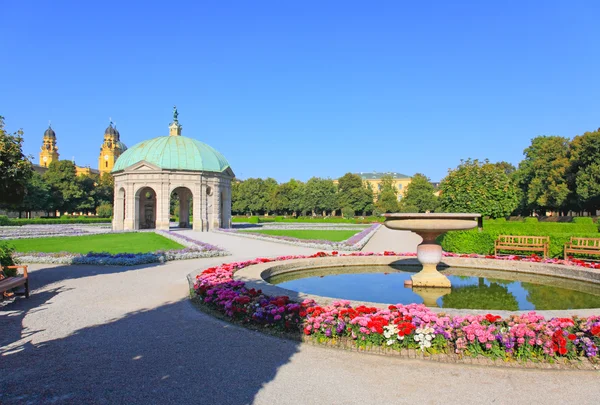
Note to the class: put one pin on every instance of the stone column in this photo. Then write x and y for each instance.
(184, 208)
(131, 208)
(197, 207)
(217, 197)
(163, 198)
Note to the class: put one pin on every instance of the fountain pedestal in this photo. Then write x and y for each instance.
(429, 252)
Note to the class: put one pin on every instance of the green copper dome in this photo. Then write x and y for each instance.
(174, 153)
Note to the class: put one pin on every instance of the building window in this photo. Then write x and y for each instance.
(105, 164)
(399, 186)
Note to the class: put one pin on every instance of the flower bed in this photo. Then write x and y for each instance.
(40, 231)
(356, 242)
(194, 250)
(404, 327)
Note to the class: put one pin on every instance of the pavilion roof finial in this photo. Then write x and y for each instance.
(175, 128)
(175, 114)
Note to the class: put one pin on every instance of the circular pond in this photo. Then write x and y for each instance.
(471, 288)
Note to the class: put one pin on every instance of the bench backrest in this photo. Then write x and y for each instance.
(523, 240)
(585, 243)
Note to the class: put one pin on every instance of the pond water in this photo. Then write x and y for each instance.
(471, 288)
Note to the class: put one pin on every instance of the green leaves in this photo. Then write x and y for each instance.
(15, 168)
(479, 187)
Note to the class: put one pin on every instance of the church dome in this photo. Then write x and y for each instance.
(174, 153)
(111, 131)
(49, 133)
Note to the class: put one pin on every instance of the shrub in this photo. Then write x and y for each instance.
(104, 210)
(6, 259)
(583, 220)
(347, 212)
(62, 221)
(252, 220)
(530, 220)
(474, 241)
(4, 221)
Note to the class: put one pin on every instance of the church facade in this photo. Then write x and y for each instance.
(111, 149)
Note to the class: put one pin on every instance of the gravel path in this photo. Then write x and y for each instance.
(112, 335)
(394, 241)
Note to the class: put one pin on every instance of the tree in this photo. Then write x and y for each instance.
(352, 193)
(419, 194)
(479, 187)
(37, 197)
(320, 196)
(87, 200)
(15, 168)
(584, 171)
(543, 174)
(65, 188)
(105, 189)
(287, 197)
(387, 200)
(253, 196)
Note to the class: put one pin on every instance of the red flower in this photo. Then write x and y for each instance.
(572, 336)
(562, 350)
(306, 331)
(492, 318)
(596, 330)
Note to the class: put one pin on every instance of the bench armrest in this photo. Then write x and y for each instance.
(22, 266)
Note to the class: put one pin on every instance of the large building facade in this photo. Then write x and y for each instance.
(149, 173)
(110, 150)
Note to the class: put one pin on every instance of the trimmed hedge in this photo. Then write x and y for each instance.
(316, 220)
(53, 221)
(482, 242)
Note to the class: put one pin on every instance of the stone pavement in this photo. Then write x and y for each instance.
(394, 241)
(112, 335)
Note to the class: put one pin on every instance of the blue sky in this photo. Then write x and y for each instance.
(302, 89)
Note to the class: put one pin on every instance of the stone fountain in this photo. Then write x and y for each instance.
(429, 252)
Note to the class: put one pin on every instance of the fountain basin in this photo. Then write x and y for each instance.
(256, 276)
(429, 252)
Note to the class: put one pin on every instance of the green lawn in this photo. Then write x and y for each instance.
(133, 242)
(334, 236)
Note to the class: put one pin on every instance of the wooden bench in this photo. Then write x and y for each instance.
(585, 246)
(8, 283)
(524, 243)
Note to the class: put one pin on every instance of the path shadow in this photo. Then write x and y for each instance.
(171, 354)
(44, 276)
(13, 311)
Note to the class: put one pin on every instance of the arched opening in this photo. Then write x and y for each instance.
(146, 210)
(119, 209)
(181, 207)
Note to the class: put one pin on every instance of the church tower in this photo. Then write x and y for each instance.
(111, 149)
(49, 150)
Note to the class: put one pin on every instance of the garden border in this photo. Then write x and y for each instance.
(354, 243)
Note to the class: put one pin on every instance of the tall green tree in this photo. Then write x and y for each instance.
(320, 196)
(543, 174)
(287, 198)
(479, 187)
(88, 186)
(352, 193)
(105, 189)
(419, 195)
(584, 171)
(387, 199)
(253, 196)
(37, 197)
(15, 168)
(65, 189)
